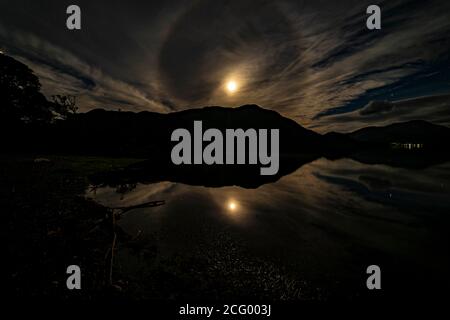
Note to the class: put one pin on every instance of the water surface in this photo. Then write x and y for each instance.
(319, 227)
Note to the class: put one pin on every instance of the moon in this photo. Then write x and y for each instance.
(231, 86)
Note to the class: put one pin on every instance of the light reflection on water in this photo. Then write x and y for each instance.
(318, 216)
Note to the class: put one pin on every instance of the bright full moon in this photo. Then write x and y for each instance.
(231, 86)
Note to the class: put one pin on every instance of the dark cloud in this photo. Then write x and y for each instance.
(433, 108)
(313, 61)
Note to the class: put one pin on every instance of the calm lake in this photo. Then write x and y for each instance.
(310, 235)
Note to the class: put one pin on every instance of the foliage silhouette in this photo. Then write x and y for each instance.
(21, 99)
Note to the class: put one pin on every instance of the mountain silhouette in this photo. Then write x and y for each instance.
(148, 134)
(415, 131)
(415, 144)
(151, 132)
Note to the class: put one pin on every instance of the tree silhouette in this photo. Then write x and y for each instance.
(20, 96)
(64, 105)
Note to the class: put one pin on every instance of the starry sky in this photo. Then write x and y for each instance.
(312, 61)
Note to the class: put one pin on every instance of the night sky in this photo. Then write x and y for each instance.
(312, 61)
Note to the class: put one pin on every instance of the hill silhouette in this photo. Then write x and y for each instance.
(415, 131)
(147, 134)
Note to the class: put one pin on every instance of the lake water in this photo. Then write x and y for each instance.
(319, 228)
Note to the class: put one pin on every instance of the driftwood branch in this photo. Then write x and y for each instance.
(113, 216)
(111, 263)
(139, 206)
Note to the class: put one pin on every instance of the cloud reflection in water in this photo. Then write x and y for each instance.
(314, 213)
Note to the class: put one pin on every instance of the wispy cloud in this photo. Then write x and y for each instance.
(433, 108)
(61, 72)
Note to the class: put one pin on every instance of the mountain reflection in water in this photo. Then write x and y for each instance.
(328, 220)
